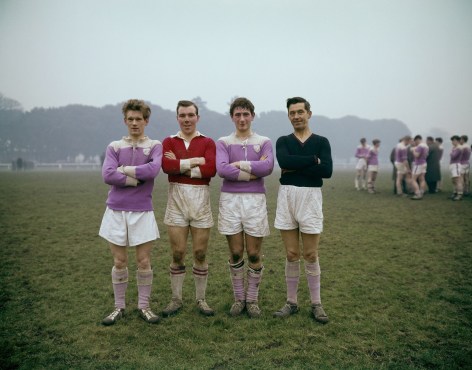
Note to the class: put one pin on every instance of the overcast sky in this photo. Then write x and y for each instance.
(404, 59)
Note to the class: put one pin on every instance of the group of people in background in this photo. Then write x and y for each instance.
(417, 166)
(190, 159)
(367, 165)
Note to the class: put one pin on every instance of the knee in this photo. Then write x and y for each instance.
(120, 262)
(199, 256)
(144, 263)
(177, 257)
(293, 256)
(310, 257)
(254, 259)
(236, 257)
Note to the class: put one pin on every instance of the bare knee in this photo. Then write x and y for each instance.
(199, 256)
(254, 259)
(293, 256)
(311, 256)
(178, 257)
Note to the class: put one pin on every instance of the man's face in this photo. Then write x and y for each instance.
(187, 118)
(298, 116)
(242, 119)
(455, 142)
(136, 123)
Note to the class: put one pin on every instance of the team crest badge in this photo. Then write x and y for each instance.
(146, 151)
(257, 148)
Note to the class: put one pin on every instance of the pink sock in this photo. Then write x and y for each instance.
(144, 281)
(119, 279)
(292, 277)
(313, 273)
(237, 279)
(253, 280)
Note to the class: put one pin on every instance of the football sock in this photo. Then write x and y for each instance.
(144, 281)
(253, 280)
(177, 276)
(200, 275)
(313, 273)
(237, 280)
(292, 277)
(119, 279)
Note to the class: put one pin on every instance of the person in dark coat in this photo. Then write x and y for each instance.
(433, 171)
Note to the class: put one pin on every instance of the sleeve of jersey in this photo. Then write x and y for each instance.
(208, 169)
(289, 161)
(325, 168)
(223, 167)
(169, 166)
(264, 168)
(151, 169)
(110, 173)
(358, 153)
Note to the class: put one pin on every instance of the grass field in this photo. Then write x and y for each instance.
(396, 283)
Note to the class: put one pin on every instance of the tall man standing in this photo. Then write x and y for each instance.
(243, 159)
(304, 159)
(189, 160)
(130, 166)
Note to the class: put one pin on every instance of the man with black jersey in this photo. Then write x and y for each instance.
(304, 159)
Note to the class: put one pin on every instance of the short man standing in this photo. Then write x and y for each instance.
(402, 165)
(420, 154)
(433, 172)
(305, 160)
(465, 164)
(130, 166)
(362, 151)
(455, 168)
(189, 160)
(373, 166)
(243, 159)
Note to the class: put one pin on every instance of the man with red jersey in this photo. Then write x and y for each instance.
(189, 160)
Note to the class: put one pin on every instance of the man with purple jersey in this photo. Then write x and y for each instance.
(361, 154)
(305, 160)
(401, 164)
(243, 159)
(189, 160)
(130, 167)
(420, 154)
(465, 164)
(372, 165)
(455, 168)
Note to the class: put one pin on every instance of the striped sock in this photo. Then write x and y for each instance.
(177, 276)
(254, 278)
(237, 280)
(200, 275)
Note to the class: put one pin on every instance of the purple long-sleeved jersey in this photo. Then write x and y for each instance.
(373, 157)
(401, 153)
(421, 151)
(130, 168)
(456, 155)
(465, 156)
(249, 154)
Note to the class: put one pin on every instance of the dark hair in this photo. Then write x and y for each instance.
(376, 141)
(296, 100)
(186, 103)
(363, 140)
(465, 138)
(430, 138)
(137, 105)
(439, 139)
(455, 137)
(243, 103)
(418, 137)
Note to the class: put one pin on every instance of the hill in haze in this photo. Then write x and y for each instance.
(77, 131)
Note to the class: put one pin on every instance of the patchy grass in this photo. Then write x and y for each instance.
(396, 284)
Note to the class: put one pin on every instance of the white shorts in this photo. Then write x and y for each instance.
(361, 164)
(419, 169)
(188, 205)
(455, 169)
(299, 207)
(401, 168)
(465, 169)
(126, 228)
(243, 212)
(372, 168)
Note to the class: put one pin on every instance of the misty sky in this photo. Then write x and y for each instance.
(404, 59)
